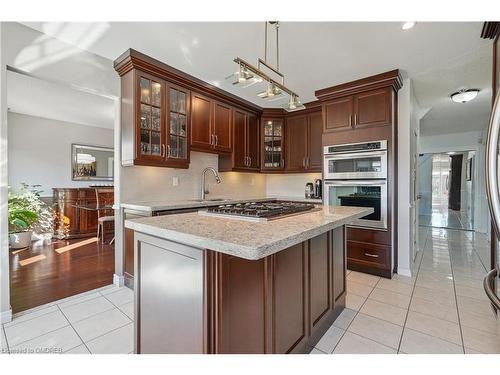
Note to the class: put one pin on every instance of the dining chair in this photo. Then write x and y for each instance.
(105, 199)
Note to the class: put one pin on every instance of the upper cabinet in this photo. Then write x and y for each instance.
(338, 114)
(365, 103)
(304, 152)
(273, 144)
(202, 136)
(154, 121)
(211, 125)
(370, 108)
(245, 155)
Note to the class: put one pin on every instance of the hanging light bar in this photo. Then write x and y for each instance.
(248, 75)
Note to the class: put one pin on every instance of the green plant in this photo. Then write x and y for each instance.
(21, 220)
(26, 209)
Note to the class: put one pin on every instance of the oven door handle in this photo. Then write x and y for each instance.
(357, 155)
(356, 182)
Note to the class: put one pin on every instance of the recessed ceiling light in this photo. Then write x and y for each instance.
(464, 95)
(408, 25)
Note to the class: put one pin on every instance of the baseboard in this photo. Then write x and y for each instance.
(6, 316)
(404, 272)
(118, 280)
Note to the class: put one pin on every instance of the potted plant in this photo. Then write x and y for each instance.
(20, 223)
(26, 212)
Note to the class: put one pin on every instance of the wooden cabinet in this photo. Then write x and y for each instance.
(155, 118)
(70, 220)
(304, 152)
(201, 122)
(211, 125)
(366, 109)
(296, 143)
(245, 155)
(273, 144)
(372, 108)
(315, 144)
(222, 128)
(338, 114)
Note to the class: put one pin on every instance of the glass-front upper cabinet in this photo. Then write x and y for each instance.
(177, 132)
(151, 117)
(273, 152)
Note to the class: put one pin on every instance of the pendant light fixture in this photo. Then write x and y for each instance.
(248, 75)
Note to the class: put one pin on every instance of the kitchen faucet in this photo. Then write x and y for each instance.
(204, 190)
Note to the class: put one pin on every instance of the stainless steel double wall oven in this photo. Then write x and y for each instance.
(355, 174)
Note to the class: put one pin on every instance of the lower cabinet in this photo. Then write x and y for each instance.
(281, 304)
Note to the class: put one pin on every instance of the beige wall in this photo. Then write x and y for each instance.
(152, 183)
(289, 185)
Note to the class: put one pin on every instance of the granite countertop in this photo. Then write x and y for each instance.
(152, 206)
(246, 239)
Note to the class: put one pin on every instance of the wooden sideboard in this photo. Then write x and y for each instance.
(70, 221)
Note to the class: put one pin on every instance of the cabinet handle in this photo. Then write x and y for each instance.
(162, 150)
(355, 120)
(350, 120)
(168, 151)
(211, 139)
(307, 162)
(371, 255)
(216, 140)
(249, 161)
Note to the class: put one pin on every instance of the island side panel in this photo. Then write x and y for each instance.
(289, 300)
(338, 241)
(169, 297)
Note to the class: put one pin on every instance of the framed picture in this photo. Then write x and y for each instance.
(468, 170)
(92, 163)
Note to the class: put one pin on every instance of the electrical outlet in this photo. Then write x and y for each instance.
(175, 181)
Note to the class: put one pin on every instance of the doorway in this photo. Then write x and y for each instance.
(447, 190)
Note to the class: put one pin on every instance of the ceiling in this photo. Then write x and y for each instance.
(35, 97)
(433, 89)
(440, 56)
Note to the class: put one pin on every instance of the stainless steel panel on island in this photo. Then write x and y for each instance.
(215, 285)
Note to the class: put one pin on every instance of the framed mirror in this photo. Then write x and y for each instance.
(92, 163)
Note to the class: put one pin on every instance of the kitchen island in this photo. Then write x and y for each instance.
(221, 285)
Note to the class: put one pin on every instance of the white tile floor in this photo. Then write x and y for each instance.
(99, 321)
(441, 309)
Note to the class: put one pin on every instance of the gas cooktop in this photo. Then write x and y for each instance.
(259, 211)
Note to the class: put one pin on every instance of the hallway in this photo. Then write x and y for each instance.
(441, 309)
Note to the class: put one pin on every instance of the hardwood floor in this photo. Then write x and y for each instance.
(49, 272)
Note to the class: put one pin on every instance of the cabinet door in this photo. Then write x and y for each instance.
(319, 277)
(253, 149)
(222, 129)
(372, 108)
(296, 143)
(338, 114)
(273, 143)
(151, 119)
(177, 130)
(239, 151)
(201, 127)
(339, 263)
(289, 305)
(315, 161)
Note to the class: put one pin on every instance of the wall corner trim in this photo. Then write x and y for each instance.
(118, 280)
(6, 316)
(404, 271)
